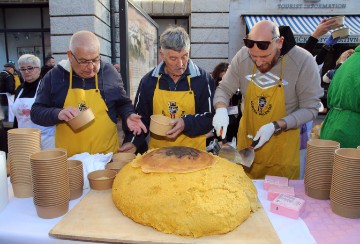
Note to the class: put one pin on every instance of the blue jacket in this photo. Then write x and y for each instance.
(203, 86)
(54, 87)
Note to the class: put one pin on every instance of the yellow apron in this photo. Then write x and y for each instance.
(175, 104)
(280, 155)
(100, 136)
(17, 80)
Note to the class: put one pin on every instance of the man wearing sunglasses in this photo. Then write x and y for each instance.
(80, 82)
(281, 90)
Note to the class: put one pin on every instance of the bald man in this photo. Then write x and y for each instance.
(80, 82)
(281, 91)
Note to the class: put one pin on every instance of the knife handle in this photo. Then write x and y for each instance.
(224, 141)
(254, 143)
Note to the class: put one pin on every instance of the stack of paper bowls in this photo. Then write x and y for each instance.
(76, 178)
(50, 177)
(319, 167)
(345, 188)
(22, 143)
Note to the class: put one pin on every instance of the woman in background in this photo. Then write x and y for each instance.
(25, 94)
(234, 103)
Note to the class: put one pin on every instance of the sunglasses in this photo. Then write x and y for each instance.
(262, 45)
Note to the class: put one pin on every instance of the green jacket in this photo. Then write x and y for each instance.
(342, 122)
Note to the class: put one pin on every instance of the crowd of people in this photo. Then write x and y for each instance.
(269, 93)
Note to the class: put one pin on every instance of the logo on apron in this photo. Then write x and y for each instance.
(82, 106)
(173, 108)
(261, 106)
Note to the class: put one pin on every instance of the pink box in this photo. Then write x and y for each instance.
(275, 180)
(288, 206)
(275, 190)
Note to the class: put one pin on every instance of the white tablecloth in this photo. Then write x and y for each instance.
(19, 222)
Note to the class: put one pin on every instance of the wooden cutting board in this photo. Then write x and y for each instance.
(95, 218)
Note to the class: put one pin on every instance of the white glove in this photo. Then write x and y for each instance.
(264, 133)
(221, 120)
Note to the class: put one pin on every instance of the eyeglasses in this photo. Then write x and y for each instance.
(262, 45)
(85, 63)
(28, 69)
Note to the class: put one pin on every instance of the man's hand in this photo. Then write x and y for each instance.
(324, 26)
(264, 133)
(221, 120)
(178, 128)
(68, 113)
(135, 124)
(127, 147)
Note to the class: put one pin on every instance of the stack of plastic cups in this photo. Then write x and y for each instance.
(319, 167)
(22, 143)
(50, 179)
(345, 187)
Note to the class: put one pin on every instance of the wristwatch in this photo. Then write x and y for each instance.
(278, 129)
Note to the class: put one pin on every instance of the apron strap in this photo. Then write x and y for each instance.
(158, 80)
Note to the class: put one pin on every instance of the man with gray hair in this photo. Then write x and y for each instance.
(281, 80)
(177, 88)
(80, 82)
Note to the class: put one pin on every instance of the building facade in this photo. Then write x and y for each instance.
(216, 27)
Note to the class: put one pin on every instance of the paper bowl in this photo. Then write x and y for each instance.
(123, 157)
(116, 166)
(83, 118)
(101, 179)
(339, 20)
(341, 33)
(159, 124)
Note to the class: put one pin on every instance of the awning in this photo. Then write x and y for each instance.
(303, 26)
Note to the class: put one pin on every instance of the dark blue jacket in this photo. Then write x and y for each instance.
(54, 87)
(203, 86)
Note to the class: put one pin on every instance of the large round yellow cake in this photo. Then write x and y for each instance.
(213, 199)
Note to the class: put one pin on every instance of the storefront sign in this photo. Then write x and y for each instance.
(304, 38)
(311, 6)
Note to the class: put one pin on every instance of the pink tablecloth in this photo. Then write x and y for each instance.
(325, 226)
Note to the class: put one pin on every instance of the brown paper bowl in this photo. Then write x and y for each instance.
(341, 33)
(83, 118)
(116, 166)
(159, 124)
(101, 179)
(123, 157)
(53, 211)
(339, 20)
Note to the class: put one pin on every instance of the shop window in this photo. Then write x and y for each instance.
(30, 18)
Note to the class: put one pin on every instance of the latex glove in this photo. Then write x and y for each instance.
(330, 41)
(221, 120)
(264, 133)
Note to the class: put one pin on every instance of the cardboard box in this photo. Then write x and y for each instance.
(275, 190)
(275, 180)
(288, 206)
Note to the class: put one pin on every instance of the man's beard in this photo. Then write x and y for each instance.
(268, 66)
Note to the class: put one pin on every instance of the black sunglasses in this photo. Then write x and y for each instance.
(262, 45)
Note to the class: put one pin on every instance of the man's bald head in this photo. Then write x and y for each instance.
(264, 30)
(85, 40)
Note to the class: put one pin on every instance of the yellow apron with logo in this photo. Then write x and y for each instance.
(17, 80)
(279, 156)
(175, 104)
(100, 136)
